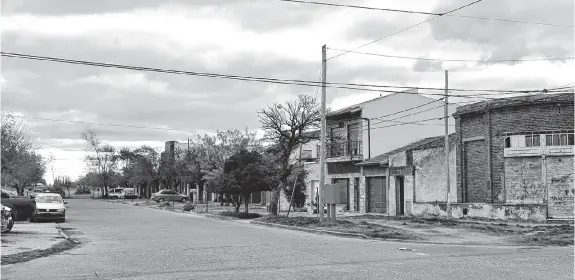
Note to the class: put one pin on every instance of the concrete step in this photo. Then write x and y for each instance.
(560, 221)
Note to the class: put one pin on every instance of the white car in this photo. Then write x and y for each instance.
(49, 206)
(116, 193)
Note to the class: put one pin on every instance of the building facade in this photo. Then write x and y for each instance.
(377, 126)
(399, 182)
(515, 158)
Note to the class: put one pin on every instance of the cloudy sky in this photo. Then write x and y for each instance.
(264, 38)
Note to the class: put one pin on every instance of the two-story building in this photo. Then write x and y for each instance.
(375, 127)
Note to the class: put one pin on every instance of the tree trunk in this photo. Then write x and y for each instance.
(274, 202)
(246, 202)
(221, 199)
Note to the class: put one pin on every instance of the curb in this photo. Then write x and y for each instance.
(65, 235)
(318, 231)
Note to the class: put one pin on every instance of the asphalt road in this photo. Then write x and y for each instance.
(127, 242)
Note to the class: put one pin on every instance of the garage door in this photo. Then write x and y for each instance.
(376, 194)
(560, 187)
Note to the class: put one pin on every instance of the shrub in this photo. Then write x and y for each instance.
(189, 206)
(241, 215)
(165, 204)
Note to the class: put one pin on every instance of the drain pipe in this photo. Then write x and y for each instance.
(368, 138)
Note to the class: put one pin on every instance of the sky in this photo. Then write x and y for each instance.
(263, 38)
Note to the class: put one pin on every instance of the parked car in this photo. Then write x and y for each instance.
(129, 193)
(116, 193)
(50, 206)
(7, 219)
(22, 206)
(168, 195)
(35, 192)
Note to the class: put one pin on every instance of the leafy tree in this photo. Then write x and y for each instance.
(285, 127)
(243, 174)
(64, 182)
(21, 165)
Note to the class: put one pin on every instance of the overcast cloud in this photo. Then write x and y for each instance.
(261, 38)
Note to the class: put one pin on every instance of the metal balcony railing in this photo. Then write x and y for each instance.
(343, 149)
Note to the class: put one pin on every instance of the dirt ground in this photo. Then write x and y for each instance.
(442, 231)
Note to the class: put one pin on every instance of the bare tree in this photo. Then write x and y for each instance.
(285, 127)
(101, 159)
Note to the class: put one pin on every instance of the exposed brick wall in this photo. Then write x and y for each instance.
(476, 173)
(548, 113)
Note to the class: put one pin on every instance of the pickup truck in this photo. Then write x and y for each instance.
(23, 207)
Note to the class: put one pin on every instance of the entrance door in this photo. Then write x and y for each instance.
(560, 191)
(399, 195)
(376, 194)
(345, 191)
(356, 193)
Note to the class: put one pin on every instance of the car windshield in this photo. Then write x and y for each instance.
(49, 199)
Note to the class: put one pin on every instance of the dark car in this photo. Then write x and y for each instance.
(23, 207)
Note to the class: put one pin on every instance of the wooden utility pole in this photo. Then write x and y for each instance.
(446, 117)
(322, 146)
(295, 182)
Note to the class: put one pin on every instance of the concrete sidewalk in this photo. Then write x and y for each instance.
(27, 236)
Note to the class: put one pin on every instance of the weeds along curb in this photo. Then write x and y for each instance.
(363, 236)
(64, 245)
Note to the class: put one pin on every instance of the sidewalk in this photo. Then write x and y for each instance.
(26, 237)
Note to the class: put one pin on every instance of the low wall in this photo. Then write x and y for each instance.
(525, 212)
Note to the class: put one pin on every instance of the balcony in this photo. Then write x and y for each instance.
(343, 151)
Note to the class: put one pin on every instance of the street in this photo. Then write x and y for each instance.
(126, 242)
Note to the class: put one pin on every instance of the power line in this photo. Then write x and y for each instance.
(116, 125)
(414, 113)
(408, 109)
(423, 13)
(407, 28)
(514, 21)
(352, 86)
(452, 60)
(359, 7)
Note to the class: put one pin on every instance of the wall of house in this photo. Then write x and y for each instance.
(514, 212)
(389, 138)
(313, 170)
(485, 182)
(430, 174)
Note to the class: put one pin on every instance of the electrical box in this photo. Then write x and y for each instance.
(335, 193)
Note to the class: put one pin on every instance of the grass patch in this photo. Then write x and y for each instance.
(240, 215)
(365, 228)
(548, 236)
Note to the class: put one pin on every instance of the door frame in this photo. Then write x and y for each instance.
(399, 195)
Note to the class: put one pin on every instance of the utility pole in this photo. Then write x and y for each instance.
(446, 117)
(323, 128)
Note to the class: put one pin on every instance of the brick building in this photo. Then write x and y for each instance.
(515, 158)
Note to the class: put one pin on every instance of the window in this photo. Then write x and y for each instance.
(508, 142)
(532, 141)
(559, 139)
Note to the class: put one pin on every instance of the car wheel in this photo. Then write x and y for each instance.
(32, 220)
(63, 220)
(161, 200)
(184, 200)
(11, 224)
